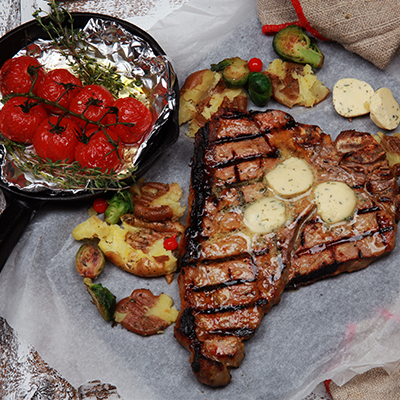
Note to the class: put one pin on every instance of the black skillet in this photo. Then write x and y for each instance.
(21, 206)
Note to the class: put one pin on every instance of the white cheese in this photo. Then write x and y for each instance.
(265, 215)
(351, 97)
(290, 178)
(384, 109)
(335, 201)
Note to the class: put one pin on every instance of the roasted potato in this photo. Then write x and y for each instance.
(119, 245)
(144, 313)
(295, 84)
(202, 95)
(154, 201)
(137, 245)
(391, 145)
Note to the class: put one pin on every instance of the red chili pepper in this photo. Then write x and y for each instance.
(171, 243)
(100, 205)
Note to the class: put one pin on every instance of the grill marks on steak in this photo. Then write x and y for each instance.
(227, 283)
(230, 277)
(358, 160)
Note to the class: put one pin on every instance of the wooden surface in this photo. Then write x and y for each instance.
(10, 15)
(143, 13)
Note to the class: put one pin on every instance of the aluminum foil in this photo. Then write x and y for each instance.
(133, 58)
(25, 375)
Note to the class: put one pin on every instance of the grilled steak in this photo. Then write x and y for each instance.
(252, 231)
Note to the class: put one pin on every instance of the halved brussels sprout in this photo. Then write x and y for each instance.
(103, 299)
(89, 261)
(235, 71)
(293, 44)
(121, 203)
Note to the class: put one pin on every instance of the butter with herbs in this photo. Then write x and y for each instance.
(351, 97)
(335, 201)
(291, 177)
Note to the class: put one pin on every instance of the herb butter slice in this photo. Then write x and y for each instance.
(351, 97)
(385, 111)
(265, 215)
(335, 201)
(291, 177)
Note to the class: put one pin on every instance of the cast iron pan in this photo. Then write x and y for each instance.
(21, 206)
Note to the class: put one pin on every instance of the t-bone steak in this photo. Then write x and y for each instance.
(273, 204)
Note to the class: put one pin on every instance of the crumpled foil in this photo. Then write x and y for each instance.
(25, 375)
(134, 59)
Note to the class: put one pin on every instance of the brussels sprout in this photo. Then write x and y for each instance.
(103, 299)
(235, 71)
(260, 88)
(121, 203)
(89, 261)
(293, 44)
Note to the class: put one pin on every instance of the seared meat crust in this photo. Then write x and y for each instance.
(230, 276)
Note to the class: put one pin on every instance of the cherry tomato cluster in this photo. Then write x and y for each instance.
(66, 121)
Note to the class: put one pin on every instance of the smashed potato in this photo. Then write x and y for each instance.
(202, 95)
(391, 145)
(120, 247)
(144, 313)
(154, 201)
(197, 87)
(137, 245)
(295, 84)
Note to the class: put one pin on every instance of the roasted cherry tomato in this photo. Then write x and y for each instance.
(60, 86)
(171, 243)
(20, 117)
(56, 139)
(100, 205)
(255, 65)
(101, 151)
(15, 75)
(132, 118)
(33, 49)
(93, 101)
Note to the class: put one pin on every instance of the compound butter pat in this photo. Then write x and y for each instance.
(351, 97)
(335, 201)
(292, 177)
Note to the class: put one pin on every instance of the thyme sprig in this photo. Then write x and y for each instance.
(59, 25)
(66, 176)
(70, 42)
(33, 99)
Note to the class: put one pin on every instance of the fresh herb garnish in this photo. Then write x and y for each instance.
(59, 25)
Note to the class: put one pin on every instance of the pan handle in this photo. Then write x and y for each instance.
(13, 220)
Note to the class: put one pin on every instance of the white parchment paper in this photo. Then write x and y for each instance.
(332, 329)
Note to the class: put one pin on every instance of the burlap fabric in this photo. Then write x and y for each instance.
(369, 28)
(375, 384)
